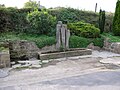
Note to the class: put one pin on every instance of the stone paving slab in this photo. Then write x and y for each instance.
(110, 61)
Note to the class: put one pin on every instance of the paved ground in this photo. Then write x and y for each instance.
(74, 73)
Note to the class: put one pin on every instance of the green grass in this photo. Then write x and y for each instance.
(78, 42)
(81, 42)
(40, 40)
(111, 37)
(43, 40)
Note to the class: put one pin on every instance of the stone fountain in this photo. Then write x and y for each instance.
(62, 45)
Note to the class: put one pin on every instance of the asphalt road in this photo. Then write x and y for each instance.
(94, 81)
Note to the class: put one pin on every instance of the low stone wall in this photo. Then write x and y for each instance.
(112, 47)
(23, 49)
(70, 53)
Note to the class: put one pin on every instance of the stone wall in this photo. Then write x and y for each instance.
(112, 47)
(23, 49)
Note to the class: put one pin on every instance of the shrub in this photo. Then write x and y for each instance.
(97, 41)
(74, 15)
(78, 42)
(84, 30)
(116, 20)
(41, 22)
(81, 42)
(12, 19)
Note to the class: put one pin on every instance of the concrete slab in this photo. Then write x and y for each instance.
(3, 73)
(110, 61)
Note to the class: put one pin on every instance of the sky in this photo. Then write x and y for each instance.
(107, 5)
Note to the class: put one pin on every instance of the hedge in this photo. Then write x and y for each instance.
(12, 19)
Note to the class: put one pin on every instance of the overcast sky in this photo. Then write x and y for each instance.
(107, 5)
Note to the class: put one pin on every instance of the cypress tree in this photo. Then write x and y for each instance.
(101, 21)
(116, 20)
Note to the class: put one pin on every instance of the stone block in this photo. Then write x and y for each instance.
(23, 49)
(4, 60)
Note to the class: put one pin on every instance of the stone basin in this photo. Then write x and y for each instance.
(69, 53)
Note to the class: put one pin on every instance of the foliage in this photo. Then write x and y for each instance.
(81, 42)
(31, 4)
(111, 37)
(3, 49)
(101, 21)
(74, 15)
(41, 41)
(97, 41)
(13, 20)
(41, 22)
(84, 29)
(2, 6)
(78, 42)
(116, 20)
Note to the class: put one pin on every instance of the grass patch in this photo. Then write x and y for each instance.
(81, 42)
(40, 40)
(111, 37)
(43, 40)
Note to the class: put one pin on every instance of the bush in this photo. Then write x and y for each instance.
(78, 42)
(81, 42)
(41, 22)
(13, 20)
(97, 41)
(116, 20)
(84, 30)
(74, 15)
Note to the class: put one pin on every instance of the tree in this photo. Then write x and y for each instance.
(116, 20)
(2, 5)
(41, 22)
(101, 20)
(31, 4)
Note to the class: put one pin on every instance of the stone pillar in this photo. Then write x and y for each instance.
(58, 34)
(67, 38)
(62, 36)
